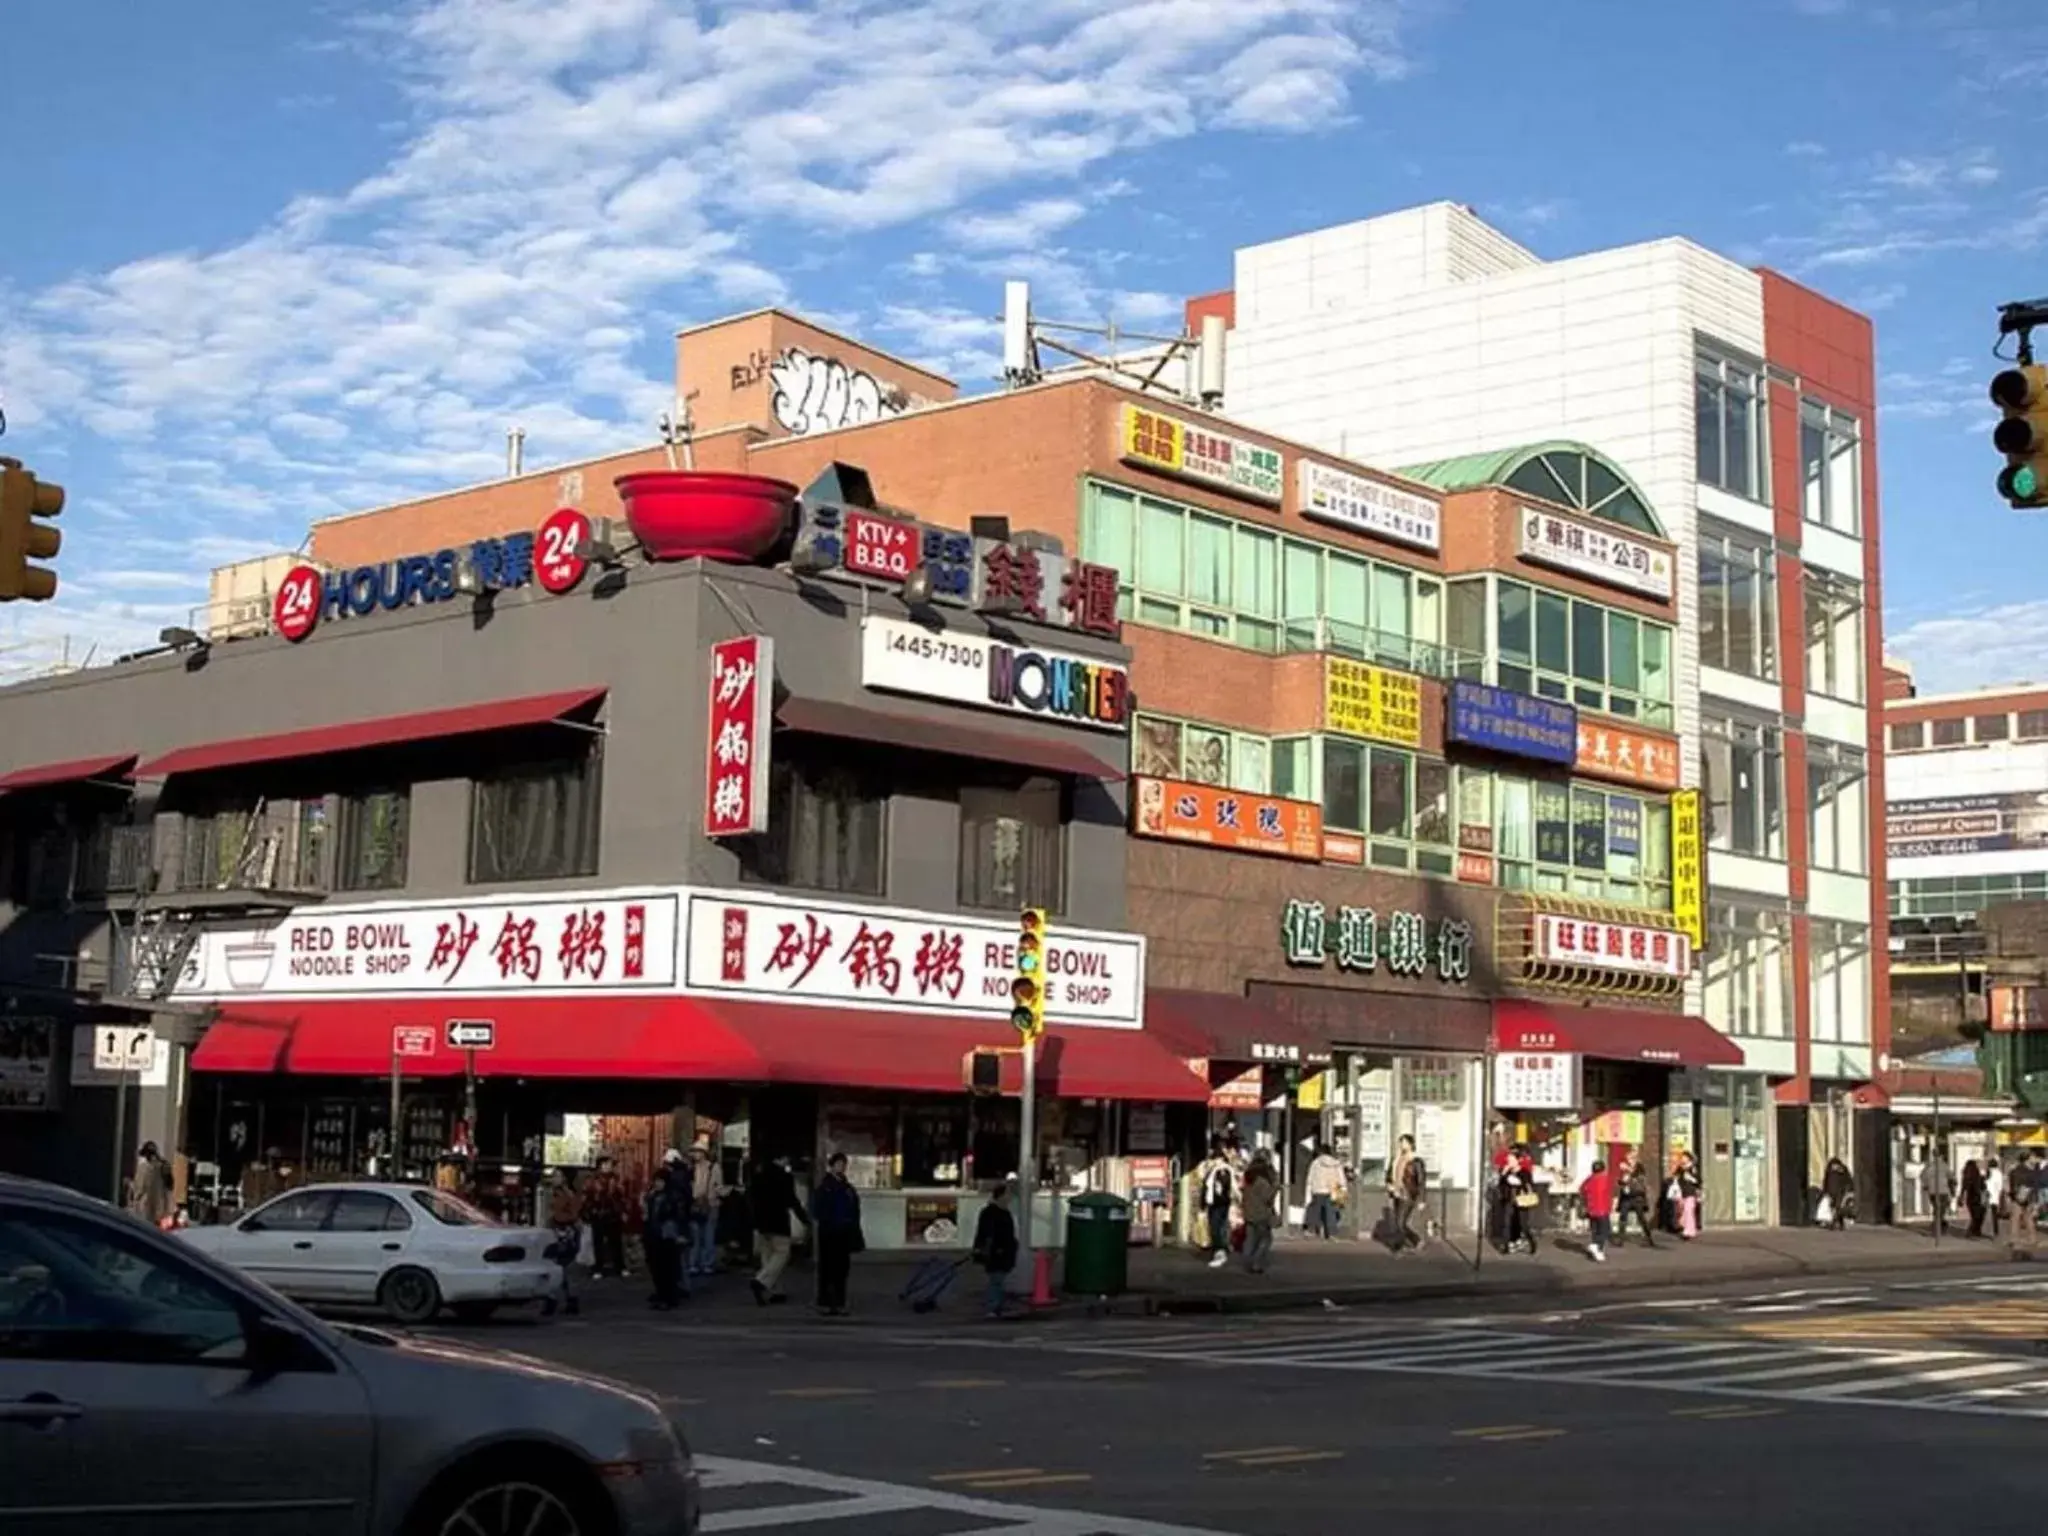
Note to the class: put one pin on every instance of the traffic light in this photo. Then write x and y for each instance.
(2022, 393)
(23, 499)
(1027, 986)
(984, 1072)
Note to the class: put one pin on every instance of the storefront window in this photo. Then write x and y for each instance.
(865, 1130)
(1013, 846)
(373, 841)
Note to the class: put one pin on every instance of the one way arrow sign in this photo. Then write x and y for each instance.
(472, 1034)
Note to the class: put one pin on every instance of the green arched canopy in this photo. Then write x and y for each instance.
(1571, 474)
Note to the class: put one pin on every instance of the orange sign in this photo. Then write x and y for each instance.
(1627, 755)
(1228, 818)
(1343, 848)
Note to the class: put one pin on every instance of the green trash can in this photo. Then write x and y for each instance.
(1098, 1245)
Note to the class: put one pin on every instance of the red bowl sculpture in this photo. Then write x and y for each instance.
(680, 514)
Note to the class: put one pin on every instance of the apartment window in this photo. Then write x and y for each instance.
(1187, 569)
(1293, 767)
(1203, 754)
(1965, 895)
(1836, 781)
(370, 850)
(1834, 636)
(1402, 805)
(1911, 736)
(825, 823)
(1745, 784)
(1991, 727)
(2033, 724)
(1582, 653)
(255, 844)
(1729, 404)
(1748, 972)
(1830, 448)
(1949, 733)
(1013, 846)
(1738, 605)
(1841, 983)
(536, 821)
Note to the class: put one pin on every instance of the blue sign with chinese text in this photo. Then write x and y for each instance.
(1503, 720)
(1624, 824)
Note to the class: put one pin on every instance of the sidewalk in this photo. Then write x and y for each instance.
(1345, 1272)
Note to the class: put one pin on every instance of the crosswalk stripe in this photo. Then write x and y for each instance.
(1649, 1363)
(1916, 1378)
(1786, 1373)
(776, 1516)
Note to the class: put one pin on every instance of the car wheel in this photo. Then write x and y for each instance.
(474, 1311)
(501, 1500)
(409, 1295)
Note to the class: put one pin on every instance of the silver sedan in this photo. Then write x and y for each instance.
(147, 1390)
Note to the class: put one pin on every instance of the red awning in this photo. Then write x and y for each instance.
(1612, 1034)
(355, 735)
(1221, 1026)
(688, 1038)
(852, 722)
(46, 775)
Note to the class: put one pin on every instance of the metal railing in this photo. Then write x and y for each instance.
(1381, 648)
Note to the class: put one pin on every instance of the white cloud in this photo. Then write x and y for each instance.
(1998, 644)
(577, 181)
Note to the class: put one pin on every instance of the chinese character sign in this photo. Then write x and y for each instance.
(1360, 940)
(742, 697)
(775, 948)
(1558, 939)
(594, 942)
(1227, 818)
(1598, 551)
(1192, 451)
(1689, 866)
(1627, 756)
(1503, 720)
(1536, 1080)
(1373, 702)
(1345, 500)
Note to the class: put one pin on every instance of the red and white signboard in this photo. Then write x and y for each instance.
(786, 949)
(1536, 1080)
(1605, 946)
(594, 942)
(295, 608)
(1247, 1090)
(880, 546)
(736, 736)
(556, 565)
(410, 1040)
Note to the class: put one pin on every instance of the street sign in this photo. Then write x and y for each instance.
(123, 1047)
(472, 1034)
(412, 1039)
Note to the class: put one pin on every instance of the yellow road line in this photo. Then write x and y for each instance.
(1726, 1411)
(1492, 1429)
(1099, 1372)
(1040, 1480)
(969, 1477)
(823, 1392)
(961, 1383)
(1289, 1459)
(1253, 1450)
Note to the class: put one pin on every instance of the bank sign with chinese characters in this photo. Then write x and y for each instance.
(1598, 552)
(779, 949)
(589, 942)
(897, 656)
(308, 596)
(1189, 451)
(1357, 938)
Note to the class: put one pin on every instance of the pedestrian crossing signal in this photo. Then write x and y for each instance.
(1027, 986)
(984, 1072)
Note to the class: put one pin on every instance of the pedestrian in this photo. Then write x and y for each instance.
(1836, 1185)
(835, 1217)
(995, 1245)
(774, 1200)
(1935, 1185)
(604, 1207)
(1326, 1180)
(703, 1254)
(1994, 1193)
(1217, 1183)
(1261, 1198)
(565, 1221)
(1634, 1200)
(665, 1215)
(1971, 1186)
(1597, 1195)
(1405, 1182)
(149, 1188)
(2026, 1199)
(1518, 1185)
(1685, 1196)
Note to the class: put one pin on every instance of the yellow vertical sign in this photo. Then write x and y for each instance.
(1373, 702)
(1689, 866)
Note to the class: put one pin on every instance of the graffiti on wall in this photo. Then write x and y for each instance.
(819, 394)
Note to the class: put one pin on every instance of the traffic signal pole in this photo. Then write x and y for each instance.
(1027, 1156)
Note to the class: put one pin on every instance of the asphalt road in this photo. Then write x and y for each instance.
(1907, 1403)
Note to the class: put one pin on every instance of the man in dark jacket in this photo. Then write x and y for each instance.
(995, 1246)
(666, 1215)
(835, 1217)
(773, 1196)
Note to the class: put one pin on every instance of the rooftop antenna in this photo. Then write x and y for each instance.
(515, 452)
(1201, 358)
(676, 429)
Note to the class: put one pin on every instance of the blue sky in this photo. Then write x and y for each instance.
(264, 263)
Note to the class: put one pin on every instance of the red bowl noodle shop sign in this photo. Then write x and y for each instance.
(546, 558)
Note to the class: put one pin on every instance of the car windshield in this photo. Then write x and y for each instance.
(450, 1211)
